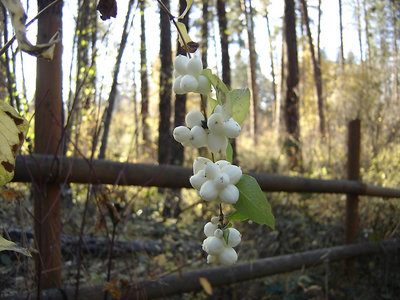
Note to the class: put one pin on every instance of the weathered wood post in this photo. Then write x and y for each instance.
(48, 129)
(353, 173)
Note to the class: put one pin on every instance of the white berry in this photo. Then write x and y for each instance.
(213, 245)
(216, 124)
(194, 66)
(229, 195)
(181, 134)
(180, 64)
(222, 163)
(200, 164)
(218, 233)
(217, 143)
(194, 118)
(221, 181)
(212, 170)
(232, 128)
(189, 83)
(198, 179)
(208, 191)
(204, 85)
(234, 173)
(177, 86)
(209, 229)
(228, 256)
(199, 137)
(234, 237)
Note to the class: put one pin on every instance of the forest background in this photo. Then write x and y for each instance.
(117, 107)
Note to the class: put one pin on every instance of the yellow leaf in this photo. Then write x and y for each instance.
(161, 259)
(188, 4)
(184, 38)
(13, 128)
(206, 285)
(11, 246)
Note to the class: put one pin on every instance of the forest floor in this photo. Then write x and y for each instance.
(303, 222)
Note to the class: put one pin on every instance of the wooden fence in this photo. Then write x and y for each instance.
(50, 169)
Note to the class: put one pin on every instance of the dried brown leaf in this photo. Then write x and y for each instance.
(107, 9)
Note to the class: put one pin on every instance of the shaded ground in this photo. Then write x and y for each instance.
(304, 222)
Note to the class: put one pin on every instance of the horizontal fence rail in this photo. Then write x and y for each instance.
(175, 283)
(48, 168)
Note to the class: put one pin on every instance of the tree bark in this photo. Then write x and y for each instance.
(248, 11)
(180, 100)
(144, 89)
(271, 55)
(164, 125)
(173, 197)
(48, 129)
(341, 35)
(316, 68)
(204, 34)
(226, 66)
(114, 89)
(290, 81)
(358, 13)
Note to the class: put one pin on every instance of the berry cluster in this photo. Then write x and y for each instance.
(216, 181)
(219, 243)
(188, 76)
(213, 133)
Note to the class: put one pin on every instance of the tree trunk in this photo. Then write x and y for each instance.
(248, 11)
(173, 197)
(341, 35)
(290, 81)
(164, 126)
(85, 78)
(358, 13)
(226, 66)
(271, 55)
(395, 52)
(113, 93)
(204, 34)
(144, 89)
(367, 33)
(180, 100)
(48, 129)
(316, 69)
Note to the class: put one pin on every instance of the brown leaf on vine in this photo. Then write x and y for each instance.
(191, 47)
(107, 8)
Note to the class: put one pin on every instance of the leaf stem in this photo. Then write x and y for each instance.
(172, 19)
(221, 217)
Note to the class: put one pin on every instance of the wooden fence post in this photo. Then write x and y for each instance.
(48, 129)
(353, 173)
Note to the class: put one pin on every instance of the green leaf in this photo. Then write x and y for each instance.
(236, 216)
(226, 235)
(211, 104)
(240, 103)
(229, 153)
(188, 4)
(13, 128)
(11, 246)
(221, 89)
(252, 203)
